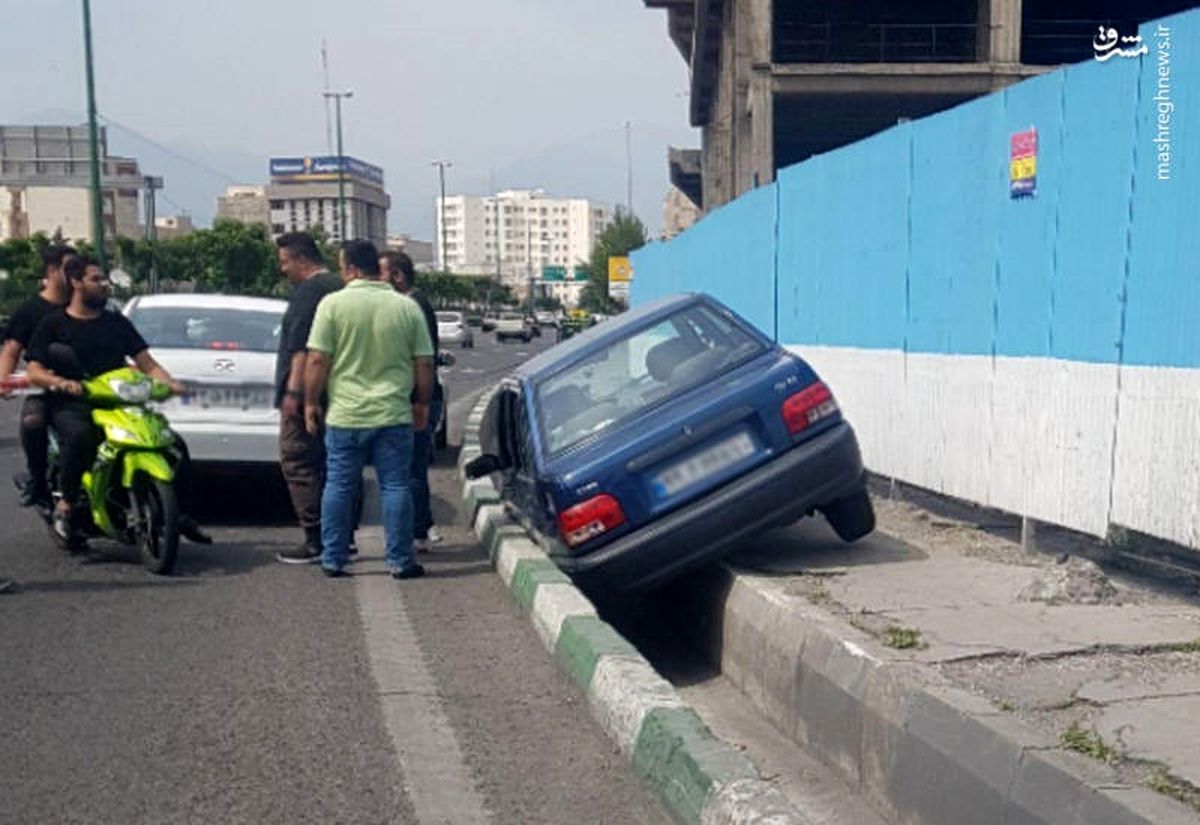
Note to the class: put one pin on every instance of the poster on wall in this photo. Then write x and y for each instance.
(1023, 164)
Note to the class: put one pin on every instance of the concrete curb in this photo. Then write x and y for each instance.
(698, 777)
(920, 750)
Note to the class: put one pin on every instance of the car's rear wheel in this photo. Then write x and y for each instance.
(851, 517)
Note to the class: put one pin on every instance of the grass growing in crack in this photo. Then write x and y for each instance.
(1005, 705)
(902, 638)
(1162, 782)
(1186, 647)
(1089, 743)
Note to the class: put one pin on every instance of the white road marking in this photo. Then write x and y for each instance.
(435, 775)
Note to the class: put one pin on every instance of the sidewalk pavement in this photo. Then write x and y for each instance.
(956, 679)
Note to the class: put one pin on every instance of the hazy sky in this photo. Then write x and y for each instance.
(528, 93)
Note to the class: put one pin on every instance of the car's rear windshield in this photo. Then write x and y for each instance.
(208, 328)
(449, 317)
(641, 370)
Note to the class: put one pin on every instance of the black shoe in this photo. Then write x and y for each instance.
(6, 584)
(331, 573)
(300, 554)
(33, 493)
(413, 571)
(191, 530)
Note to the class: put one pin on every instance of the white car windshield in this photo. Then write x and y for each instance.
(448, 317)
(639, 371)
(208, 328)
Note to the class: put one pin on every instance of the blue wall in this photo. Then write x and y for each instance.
(909, 240)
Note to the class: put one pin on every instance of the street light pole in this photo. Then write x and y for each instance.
(337, 97)
(629, 167)
(94, 141)
(153, 183)
(442, 166)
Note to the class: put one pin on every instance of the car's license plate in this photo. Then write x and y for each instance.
(234, 397)
(704, 464)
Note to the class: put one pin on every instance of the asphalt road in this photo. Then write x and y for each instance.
(242, 690)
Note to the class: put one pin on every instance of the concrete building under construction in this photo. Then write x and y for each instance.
(45, 184)
(776, 81)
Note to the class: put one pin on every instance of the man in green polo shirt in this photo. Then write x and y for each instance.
(368, 349)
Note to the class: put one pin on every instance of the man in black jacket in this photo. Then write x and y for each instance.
(397, 268)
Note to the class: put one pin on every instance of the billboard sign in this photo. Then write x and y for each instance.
(324, 168)
(1023, 164)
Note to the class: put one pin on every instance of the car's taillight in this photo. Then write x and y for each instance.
(807, 407)
(592, 518)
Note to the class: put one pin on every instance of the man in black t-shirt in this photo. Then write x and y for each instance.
(101, 340)
(301, 454)
(34, 440)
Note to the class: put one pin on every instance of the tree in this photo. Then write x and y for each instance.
(625, 234)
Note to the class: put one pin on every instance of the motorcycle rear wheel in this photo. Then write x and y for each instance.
(157, 531)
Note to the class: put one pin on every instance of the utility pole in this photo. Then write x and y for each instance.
(94, 140)
(629, 168)
(337, 98)
(153, 184)
(442, 166)
(328, 119)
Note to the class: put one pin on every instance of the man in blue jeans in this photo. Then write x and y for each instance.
(368, 351)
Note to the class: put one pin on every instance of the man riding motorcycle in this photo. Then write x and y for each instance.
(101, 340)
(54, 295)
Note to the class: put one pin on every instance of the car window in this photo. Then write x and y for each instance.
(639, 371)
(208, 328)
(449, 317)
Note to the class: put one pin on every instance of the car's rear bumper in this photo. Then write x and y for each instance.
(810, 475)
(223, 443)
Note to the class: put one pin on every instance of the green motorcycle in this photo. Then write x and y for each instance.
(130, 487)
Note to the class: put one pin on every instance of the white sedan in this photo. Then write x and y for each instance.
(223, 347)
(453, 330)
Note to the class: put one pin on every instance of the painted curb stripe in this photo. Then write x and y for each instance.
(552, 604)
(682, 760)
(622, 691)
(500, 534)
(530, 574)
(487, 513)
(512, 552)
(581, 643)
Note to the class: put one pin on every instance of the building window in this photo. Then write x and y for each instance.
(277, 204)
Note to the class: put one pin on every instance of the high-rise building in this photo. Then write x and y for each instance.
(517, 234)
(303, 193)
(45, 184)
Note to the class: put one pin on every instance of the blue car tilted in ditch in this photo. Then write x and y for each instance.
(662, 439)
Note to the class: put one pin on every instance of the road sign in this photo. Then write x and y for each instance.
(554, 273)
(619, 270)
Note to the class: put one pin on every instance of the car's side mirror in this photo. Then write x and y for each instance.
(445, 359)
(482, 466)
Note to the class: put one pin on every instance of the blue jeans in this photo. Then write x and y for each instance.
(422, 457)
(346, 451)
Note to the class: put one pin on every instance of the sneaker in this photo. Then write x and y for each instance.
(422, 545)
(61, 522)
(334, 572)
(302, 553)
(191, 530)
(352, 547)
(6, 584)
(413, 571)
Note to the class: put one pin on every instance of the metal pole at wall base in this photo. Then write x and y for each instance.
(94, 141)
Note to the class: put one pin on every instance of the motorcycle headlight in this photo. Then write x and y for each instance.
(133, 392)
(120, 434)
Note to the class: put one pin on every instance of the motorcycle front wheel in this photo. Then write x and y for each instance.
(157, 533)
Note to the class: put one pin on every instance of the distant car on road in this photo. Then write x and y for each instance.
(453, 330)
(664, 438)
(488, 322)
(545, 318)
(512, 325)
(223, 347)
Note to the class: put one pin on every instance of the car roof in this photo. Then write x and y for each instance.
(183, 299)
(598, 337)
